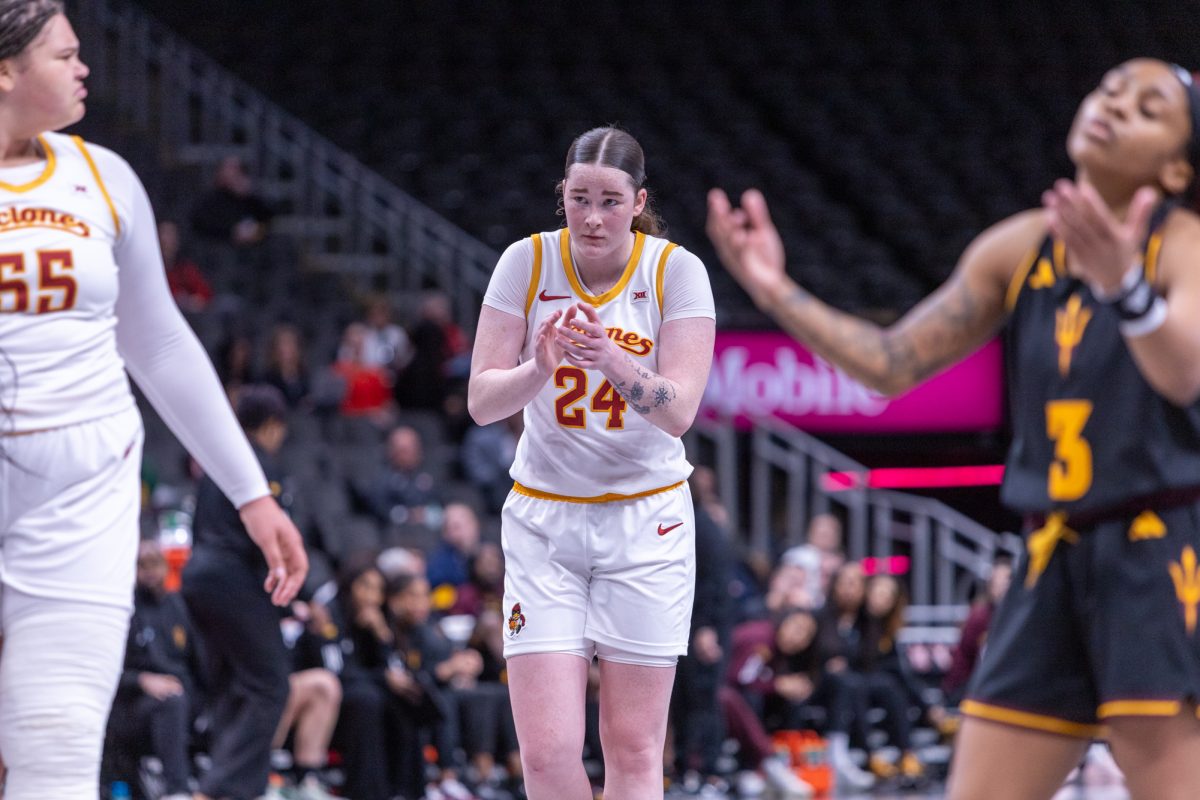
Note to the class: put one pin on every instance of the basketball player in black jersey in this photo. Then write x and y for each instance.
(1098, 293)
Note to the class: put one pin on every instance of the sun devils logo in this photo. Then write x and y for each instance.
(644, 294)
(516, 621)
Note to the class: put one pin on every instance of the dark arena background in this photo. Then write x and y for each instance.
(383, 153)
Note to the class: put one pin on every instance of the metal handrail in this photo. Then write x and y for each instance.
(346, 217)
(787, 478)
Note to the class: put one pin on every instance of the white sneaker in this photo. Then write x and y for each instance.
(1100, 768)
(177, 796)
(311, 789)
(784, 780)
(453, 789)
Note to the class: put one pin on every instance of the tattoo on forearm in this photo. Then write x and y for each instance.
(906, 354)
(660, 388)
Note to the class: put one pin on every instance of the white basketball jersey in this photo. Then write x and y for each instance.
(58, 284)
(581, 440)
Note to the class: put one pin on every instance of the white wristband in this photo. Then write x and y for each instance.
(1149, 322)
(1128, 281)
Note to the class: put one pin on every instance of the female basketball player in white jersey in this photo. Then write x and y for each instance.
(1098, 293)
(83, 297)
(603, 333)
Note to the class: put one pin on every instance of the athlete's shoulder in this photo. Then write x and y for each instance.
(103, 157)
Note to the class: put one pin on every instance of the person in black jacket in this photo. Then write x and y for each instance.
(247, 664)
(698, 724)
(158, 695)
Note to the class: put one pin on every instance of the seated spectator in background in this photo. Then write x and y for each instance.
(286, 370)
(157, 697)
(796, 582)
(403, 491)
(974, 630)
(450, 562)
(470, 713)
(486, 456)
(235, 362)
(484, 588)
(396, 561)
(487, 639)
(231, 211)
(368, 389)
(310, 716)
(439, 346)
(704, 489)
(188, 285)
(377, 730)
(385, 344)
(773, 667)
(825, 534)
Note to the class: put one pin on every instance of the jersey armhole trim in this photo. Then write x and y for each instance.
(535, 274)
(1018, 280)
(661, 275)
(1153, 247)
(100, 181)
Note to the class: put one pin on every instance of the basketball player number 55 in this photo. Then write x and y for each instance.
(54, 288)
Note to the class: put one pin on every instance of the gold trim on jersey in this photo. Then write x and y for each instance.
(99, 181)
(1060, 258)
(535, 276)
(639, 242)
(661, 275)
(1018, 279)
(51, 162)
(1152, 249)
(1139, 708)
(603, 498)
(1026, 719)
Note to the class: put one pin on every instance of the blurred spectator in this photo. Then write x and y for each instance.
(231, 211)
(445, 697)
(377, 731)
(235, 361)
(368, 391)
(487, 455)
(396, 561)
(385, 343)
(403, 491)
(487, 639)
(704, 491)
(286, 370)
(436, 342)
(484, 588)
(974, 630)
(450, 562)
(696, 714)
(157, 697)
(311, 713)
(796, 582)
(189, 287)
(825, 534)
(772, 667)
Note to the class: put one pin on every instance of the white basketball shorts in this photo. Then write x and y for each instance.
(613, 578)
(69, 500)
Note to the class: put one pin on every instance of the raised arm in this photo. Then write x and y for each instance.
(500, 385)
(943, 328)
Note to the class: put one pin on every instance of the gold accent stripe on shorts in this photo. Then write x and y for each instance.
(1025, 719)
(1139, 708)
(604, 498)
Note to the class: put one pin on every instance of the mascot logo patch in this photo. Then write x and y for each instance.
(516, 621)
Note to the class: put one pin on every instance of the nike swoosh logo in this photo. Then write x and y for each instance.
(545, 298)
(664, 531)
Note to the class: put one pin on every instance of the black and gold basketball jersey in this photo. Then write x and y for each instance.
(1089, 433)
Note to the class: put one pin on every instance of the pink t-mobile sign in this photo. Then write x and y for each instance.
(769, 374)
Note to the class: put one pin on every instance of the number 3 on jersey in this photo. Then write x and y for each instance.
(605, 400)
(54, 287)
(1071, 471)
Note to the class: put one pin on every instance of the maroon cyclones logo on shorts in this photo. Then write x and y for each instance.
(516, 621)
